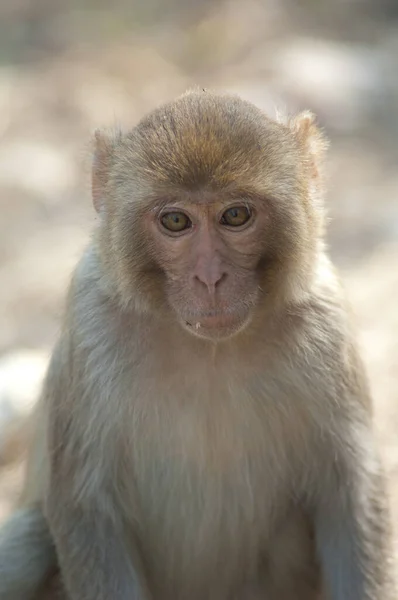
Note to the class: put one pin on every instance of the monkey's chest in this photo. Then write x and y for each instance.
(210, 489)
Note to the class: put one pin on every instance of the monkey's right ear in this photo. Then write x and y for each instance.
(100, 169)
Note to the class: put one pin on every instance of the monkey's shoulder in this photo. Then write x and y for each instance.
(324, 350)
(92, 306)
(325, 315)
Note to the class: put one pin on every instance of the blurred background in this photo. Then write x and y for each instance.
(67, 68)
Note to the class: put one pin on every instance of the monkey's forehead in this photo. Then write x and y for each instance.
(208, 139)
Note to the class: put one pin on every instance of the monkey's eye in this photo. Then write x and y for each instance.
(236, 216)
(175, 221)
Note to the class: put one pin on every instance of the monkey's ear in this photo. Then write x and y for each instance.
(100, 169)
(311, 139)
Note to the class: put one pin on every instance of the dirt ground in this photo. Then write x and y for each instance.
(57, 90)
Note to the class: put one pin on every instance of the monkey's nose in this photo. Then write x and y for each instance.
(209, 279)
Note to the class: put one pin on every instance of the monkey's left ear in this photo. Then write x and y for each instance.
(311, 139)
(100, 169)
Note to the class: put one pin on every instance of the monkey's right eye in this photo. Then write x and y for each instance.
(175, 221)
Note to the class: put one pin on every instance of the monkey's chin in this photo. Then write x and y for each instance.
(216, 327)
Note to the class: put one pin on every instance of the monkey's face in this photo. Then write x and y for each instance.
(208, 252)
(207, 213)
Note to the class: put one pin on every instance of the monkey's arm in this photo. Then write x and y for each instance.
(351, 524)
(94, 553)
(94, 562)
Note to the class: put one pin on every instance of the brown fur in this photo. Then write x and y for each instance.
(177, 461)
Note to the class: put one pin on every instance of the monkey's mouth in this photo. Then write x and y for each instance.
(215, 321)
(215, 324)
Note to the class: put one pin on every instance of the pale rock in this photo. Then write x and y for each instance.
(335, 77)
(21, 377)
(47, 171)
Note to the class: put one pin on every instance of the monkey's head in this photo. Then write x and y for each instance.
(209, 211)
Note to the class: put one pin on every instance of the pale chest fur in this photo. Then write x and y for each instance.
(217, 450)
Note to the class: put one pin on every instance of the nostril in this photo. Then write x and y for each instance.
(210, 283)
(203, 284)
(221, 279)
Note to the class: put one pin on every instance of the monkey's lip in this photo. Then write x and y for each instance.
(214, 321)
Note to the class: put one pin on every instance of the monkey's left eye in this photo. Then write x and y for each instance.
(236, 216)
(175, 221)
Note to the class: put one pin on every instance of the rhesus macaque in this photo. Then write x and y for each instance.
(205, 430)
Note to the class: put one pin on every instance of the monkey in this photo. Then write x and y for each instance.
(205, 428)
